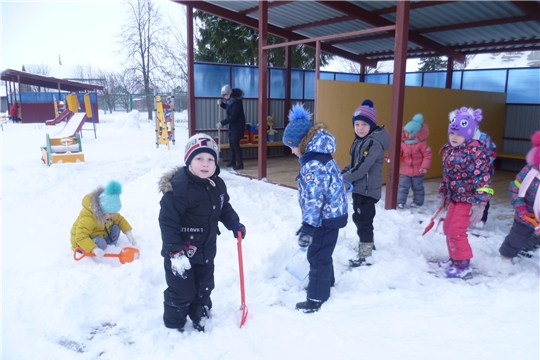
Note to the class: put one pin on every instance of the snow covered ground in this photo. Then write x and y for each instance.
(54, 307)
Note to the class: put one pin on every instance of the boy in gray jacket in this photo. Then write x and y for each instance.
(365, 173)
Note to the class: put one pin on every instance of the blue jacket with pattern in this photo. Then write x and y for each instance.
(321, 191)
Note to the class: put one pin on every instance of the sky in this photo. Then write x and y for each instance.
(80, 32)
(54, 307)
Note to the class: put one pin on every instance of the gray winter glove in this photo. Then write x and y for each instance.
(305, 235)
(219, 102)
(218, 125)
(180, 264)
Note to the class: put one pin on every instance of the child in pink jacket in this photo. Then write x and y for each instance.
(465, 188)
(415, 161)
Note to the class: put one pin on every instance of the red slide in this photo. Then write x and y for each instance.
(65, 115)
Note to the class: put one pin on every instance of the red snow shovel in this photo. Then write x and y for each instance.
(127, 255)
(243, 306)
(432, 221)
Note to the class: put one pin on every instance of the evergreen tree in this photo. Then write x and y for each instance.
(432, 64)
(222, 41)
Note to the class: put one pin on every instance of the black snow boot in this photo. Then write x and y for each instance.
(309, 306)
(196, 314)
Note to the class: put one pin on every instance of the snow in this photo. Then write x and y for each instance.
(57, 308)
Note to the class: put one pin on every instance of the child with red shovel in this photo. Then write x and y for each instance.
(194, 200)
(99, 223)
(465, 187)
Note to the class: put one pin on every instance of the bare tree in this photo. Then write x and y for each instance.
(354, 67)
(174, 72)
(142, 42)
(39, 69)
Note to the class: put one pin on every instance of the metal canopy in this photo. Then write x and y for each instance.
(25, 78)
(436, 28)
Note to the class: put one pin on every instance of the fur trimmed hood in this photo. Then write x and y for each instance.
(91, 202)
(164, 183)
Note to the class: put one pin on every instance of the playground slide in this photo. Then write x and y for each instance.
(73, 125)
(64, 115)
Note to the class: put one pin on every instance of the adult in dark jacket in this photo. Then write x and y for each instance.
(194, 200)
(236, 121)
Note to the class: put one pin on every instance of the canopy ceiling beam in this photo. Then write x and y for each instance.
(375, 20)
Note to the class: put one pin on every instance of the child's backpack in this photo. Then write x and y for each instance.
(524, 186)
(490, 149)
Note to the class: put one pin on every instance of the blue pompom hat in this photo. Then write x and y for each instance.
(298, 127)
(109, 200)
(414, 126)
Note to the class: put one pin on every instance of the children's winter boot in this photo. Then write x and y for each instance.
(364, 255)
(309, 306)
(196, 313)
(446, 264)
(460, 269)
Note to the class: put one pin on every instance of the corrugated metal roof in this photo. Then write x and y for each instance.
(437, 28)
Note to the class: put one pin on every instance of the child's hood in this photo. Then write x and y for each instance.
(318, 140)
(91, 203)
(381, 135)
(164, 184)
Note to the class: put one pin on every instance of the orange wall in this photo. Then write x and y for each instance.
(337, 100)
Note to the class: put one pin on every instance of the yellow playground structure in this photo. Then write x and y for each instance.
(165, 121)
(66, 147)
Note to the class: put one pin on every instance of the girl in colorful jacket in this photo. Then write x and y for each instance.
(465, 189)
(526, 201)
(415, 157)
(99, 222)
(322, 199)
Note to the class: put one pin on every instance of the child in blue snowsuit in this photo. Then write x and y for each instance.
(322, 198)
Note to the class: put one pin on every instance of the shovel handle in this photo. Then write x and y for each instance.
(126, 255)
(243, 305)
(79, 253)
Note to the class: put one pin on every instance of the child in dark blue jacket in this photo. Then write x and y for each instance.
(194, 200)
(322, 198)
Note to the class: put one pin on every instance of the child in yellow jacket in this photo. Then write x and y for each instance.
(99, 222)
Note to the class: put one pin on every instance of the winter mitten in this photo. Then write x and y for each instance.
(218, 125)
(180, 264)
(131, 238)
(522, 210)
(442, 201)
(477, 210)
(237, 226)
(219, 102)
(305, 235)
(98, 253)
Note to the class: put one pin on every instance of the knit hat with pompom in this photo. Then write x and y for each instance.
(109, 200)
(298, 126)
(533, 156)
(366, 113)
(414, 126)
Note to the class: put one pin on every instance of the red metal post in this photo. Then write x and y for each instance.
(263, 91)
(398, 96)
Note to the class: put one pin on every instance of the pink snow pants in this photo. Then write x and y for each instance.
(455, 228)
